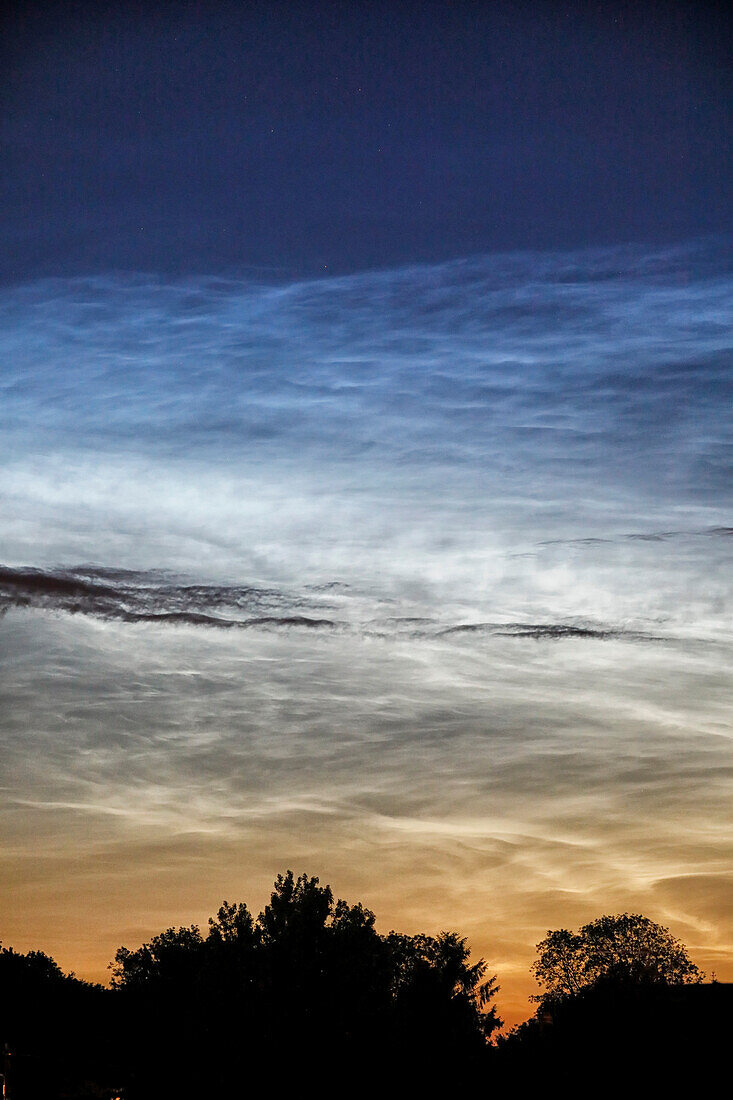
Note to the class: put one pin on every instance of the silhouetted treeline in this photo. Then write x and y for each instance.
(309, 983)
(58, 1035)
(310, 991)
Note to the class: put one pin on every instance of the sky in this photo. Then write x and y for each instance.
(366, 499)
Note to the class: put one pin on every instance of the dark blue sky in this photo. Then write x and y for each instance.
(307, 137)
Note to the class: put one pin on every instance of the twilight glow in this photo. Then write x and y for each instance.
(418, 580)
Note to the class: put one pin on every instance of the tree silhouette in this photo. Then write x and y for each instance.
(170, 959)
(310, 980)
(54, 1029)
(232, 924)
(622, 996)
(310, 988)
(628, 949)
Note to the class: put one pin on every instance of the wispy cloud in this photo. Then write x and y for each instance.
(460, 537)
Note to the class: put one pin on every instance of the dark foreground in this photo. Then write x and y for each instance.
(310, 995)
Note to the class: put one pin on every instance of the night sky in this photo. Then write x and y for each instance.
(365, 412)
(300, 138)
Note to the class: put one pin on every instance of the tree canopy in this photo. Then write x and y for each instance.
(55, 1030)
(309, 977)
(309, 988)
(623, 949)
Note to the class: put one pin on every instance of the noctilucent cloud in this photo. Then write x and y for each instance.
(419, 579)
(365, 435)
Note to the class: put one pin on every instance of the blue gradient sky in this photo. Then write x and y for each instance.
(416, 575)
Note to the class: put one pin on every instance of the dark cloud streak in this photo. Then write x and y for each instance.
(143, 598)
(146, 598)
